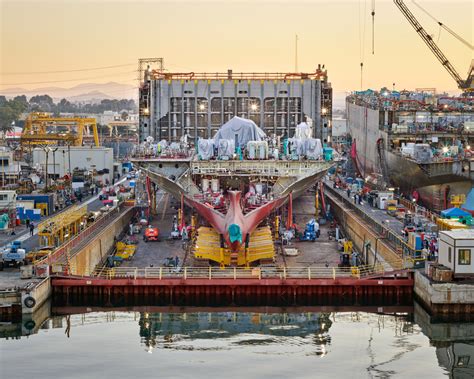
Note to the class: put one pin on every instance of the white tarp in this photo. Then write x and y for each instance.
(205, 148)
(314, 148)
(422, 153)
(246, 131)
(225, 148)
(303, 131)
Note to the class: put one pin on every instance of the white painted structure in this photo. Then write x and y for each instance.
(456, 251)
(7, 199)
(81, 157)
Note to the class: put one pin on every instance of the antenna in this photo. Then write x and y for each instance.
(296, 52)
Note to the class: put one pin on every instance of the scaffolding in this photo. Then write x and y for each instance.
(56, 230)
(260, 248)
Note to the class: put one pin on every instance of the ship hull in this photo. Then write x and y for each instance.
(403, 173)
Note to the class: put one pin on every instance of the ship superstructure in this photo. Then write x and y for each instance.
(197, 104)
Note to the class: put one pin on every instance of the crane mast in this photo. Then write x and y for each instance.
(462, 84)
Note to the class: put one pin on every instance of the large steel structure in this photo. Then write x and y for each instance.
(42, 129)
(197, 104)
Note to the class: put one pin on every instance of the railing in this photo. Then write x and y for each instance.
(394, 239)
(60, 252)
(315, 272)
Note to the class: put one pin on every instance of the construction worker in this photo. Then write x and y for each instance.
(32, 228)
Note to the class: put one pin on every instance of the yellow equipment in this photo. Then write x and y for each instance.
(62, 227)
(348, 247)
(260, 247)
(125, 251)
(446, 224)
(36, 255)
(42, 129)
(392, 207)
(458, 200)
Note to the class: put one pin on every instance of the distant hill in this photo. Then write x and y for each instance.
(85, 92)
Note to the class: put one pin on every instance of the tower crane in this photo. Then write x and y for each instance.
(465, 85)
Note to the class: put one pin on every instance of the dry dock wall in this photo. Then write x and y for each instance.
(94, 252)
(444, 297)
(360, 233)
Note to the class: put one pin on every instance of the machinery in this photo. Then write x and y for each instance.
(151, 234)
(465, 85)
(175, 230)
(42, 129)
(311, 232)
(12, 255)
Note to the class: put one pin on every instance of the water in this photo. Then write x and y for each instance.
(121, 344)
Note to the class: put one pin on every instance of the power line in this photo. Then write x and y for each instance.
(66, 71)
(69, 80)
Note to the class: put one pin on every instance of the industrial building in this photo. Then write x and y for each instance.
(63, 159)
(197, 104)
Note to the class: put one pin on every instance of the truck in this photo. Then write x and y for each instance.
(12, 255)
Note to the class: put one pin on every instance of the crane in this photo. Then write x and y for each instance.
(465, 85)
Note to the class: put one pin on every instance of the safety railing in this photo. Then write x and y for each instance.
(85, 235)
(394, 239)
(314, 272)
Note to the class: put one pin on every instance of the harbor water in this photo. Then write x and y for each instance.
(169, 343)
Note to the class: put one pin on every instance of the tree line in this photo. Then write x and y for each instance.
(10, 110)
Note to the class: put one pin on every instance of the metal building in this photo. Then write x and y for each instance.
(197, 104)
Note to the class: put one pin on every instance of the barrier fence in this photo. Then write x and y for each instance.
(315, 272)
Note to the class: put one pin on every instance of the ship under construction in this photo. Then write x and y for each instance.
(234, 148)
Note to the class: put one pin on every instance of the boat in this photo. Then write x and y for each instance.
(234, 181)
(415, 141)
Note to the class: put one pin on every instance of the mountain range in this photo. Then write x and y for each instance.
(85, 92)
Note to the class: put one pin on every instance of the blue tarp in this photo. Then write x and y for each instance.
(469, 204)
(454, 212)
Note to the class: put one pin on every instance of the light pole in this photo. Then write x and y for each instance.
(46, 150)
(54, 160)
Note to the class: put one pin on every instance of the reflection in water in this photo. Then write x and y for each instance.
(178, 330)
(454, 342)
(383, 344)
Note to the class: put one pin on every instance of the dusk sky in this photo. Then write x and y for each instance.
(200, 36)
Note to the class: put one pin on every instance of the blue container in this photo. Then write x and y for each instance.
(127, 165)
(40, 198)
(327, 151)
(418, 243)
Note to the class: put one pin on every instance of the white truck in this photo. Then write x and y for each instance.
(12, 255)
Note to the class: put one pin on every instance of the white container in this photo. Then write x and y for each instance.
(215, 185)
(26, 272)
(205, 185)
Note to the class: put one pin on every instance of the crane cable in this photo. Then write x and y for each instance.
(362, 39)
(373, 27)
(452, 32)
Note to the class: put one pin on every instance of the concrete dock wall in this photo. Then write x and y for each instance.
(94, 252)
(360, 233)
(444, 297)
(40, 293)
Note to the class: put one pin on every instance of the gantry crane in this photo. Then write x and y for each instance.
(42, 129)
(465, 85)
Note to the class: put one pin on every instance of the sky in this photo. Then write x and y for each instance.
(212, 36)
